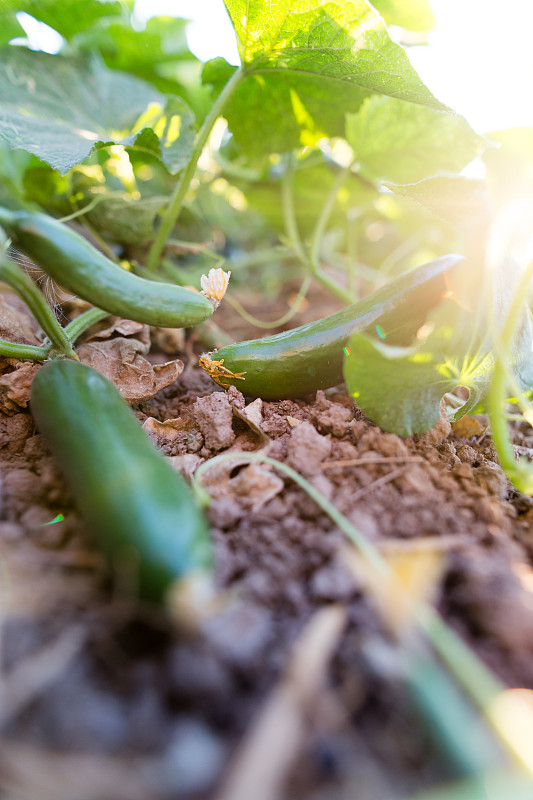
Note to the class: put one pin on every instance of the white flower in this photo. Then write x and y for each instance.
(214, 285)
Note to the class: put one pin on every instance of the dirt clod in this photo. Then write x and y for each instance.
(214, 417)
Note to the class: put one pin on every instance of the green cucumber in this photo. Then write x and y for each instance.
(310, 357)
(74, 263)
(129, 498)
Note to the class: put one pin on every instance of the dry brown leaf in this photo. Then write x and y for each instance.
(252, 414)
(125, 327)
(15, 387)
(121, 361)
(255, 485)
(111, 327)
(468, 426)
(293, 422)
(166, 431)
(15, 325)
(185, 464)
(169, 340)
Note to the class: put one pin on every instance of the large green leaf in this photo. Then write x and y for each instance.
(67, 17)
(405, 142)
(307, 62)
(401, 388)
(464, 202)
(159, 54)
(9, 27)
(60, 108)
(414, 15)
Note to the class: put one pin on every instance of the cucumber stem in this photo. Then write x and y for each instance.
(176, 201)
(294, 240)
(75, 328)
(23, 285)
(323, 219)
(293, 310)
(26, 352)
(518, 471)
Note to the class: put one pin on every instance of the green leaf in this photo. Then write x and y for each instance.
(60, 108)
(463, 202)
(400, 388)
(159, 54)
(67, 17)
(126, 222)
(306, 64)
(404, 142)
(10, 28)
(414, 15)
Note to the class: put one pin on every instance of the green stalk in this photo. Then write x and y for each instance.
(293, 235)
(23, 285)
(519, 471)
(323, 219)
(304, 288)
(176, 201)
(75, 328)
(318, 235)
(289, 215)
(26, 352)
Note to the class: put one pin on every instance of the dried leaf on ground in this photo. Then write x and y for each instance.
(15, 325)
(124, 327)
(121, 361)
(15, 386)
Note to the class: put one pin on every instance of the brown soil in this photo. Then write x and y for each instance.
(105, 699)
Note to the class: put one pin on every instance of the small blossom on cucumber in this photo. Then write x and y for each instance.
(214, 285)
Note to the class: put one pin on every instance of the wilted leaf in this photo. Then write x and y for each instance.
(121, 361)
(15, 387)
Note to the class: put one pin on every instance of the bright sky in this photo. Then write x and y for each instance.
(479, 62)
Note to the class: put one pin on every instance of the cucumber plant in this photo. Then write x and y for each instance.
(333, 155)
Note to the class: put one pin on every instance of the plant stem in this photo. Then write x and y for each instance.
(289, 215)
(323, 219)
(293, 235)
(75, 328)
(332, 285)
(28, 291)
(519, 471)
(293, 310)
(26, 352)
(174, 207)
